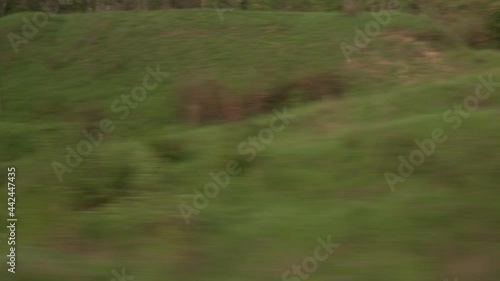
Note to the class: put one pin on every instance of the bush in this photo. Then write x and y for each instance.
(112, 170)
(309, 88)
(91, 113)
(206, 100)
(101, 178)
(469, 22)
(169, 148)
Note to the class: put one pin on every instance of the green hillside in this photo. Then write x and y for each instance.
(321, 175)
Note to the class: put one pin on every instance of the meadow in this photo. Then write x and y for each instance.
(322, 175)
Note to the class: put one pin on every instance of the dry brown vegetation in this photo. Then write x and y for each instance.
(207, 100)
(350, 7)
(91, 114)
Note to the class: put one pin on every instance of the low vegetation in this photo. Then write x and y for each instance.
(323, 174)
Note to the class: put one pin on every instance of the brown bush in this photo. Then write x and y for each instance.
(320, 86)
(207, 101)
(350, 7)
(255, 102)
(91, 114)
(279, 96)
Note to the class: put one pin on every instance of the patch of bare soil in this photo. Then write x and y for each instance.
(410, 58)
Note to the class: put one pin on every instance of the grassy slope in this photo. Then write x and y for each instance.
(322, 176)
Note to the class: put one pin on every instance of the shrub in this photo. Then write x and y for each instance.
(206, 101)
(309, 88)
(169, 148)
(350, 7)
(91, 113)
(112, 170)
(256, 102)
(469, 22)
(100, 178)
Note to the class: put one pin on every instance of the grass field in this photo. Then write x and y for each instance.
(322, 175)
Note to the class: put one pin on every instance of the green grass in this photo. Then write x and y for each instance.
(323, 175)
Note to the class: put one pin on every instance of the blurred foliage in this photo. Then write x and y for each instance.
(113, 170)
(322, 175)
